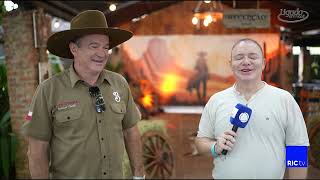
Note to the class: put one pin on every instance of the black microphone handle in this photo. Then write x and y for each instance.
(234, 129)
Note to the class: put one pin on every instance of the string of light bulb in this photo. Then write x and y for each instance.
(207, 15)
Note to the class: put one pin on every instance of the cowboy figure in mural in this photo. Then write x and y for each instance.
(201, 76)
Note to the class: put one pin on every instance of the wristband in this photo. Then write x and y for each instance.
(139, 177)
(213, 151)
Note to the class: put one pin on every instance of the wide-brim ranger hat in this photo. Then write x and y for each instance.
(86, 22)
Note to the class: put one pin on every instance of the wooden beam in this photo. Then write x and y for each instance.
(116, 18)
(53, 11)
(64, 6)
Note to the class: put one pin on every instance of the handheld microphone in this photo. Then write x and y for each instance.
(240, 117)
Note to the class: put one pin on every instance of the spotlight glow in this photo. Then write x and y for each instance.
(56, 24)
(209, 18)
(9, 5)
(112, 7)
(206, 23)
(195, 20)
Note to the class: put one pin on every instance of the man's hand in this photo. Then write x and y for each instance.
(225, 141)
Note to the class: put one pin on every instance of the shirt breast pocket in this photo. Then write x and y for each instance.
(67, 117)
(119, 110)
(68, 124)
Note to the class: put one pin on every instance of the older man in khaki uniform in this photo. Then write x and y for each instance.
(81, 120)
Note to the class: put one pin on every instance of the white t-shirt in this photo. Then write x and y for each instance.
(259, 151)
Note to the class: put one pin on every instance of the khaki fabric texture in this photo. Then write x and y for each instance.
(83, 142)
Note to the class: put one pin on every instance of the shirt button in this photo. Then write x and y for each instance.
(101, 139)
(99, 121)
(104, 156)
(104, 173)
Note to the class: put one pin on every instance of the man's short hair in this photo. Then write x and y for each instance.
(247, 40)
(76, 40)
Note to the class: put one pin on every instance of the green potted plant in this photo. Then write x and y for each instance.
(8, 141)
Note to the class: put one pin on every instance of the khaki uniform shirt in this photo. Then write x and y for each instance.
(83, 143)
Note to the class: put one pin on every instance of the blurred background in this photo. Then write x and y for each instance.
(176, 60)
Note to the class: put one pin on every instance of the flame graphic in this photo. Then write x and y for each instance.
(147, 100)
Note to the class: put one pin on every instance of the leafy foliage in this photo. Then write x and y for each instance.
(4, 97)
(2, 10)
(8, 141)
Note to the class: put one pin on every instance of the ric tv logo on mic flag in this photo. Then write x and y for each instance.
(296, 156)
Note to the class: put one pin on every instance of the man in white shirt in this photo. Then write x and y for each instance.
(258, 150)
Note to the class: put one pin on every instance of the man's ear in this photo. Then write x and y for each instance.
(73, 48)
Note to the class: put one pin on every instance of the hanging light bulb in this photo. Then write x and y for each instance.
(9, 5)
(15, 6)
(209, 18)
(112, 7)
(195, 20)
(208, 15)
(206, 22)
(56, 24)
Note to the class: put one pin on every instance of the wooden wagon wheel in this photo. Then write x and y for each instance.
(314, 154)
(157, 156)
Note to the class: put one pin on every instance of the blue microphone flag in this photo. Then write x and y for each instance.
(240, 115)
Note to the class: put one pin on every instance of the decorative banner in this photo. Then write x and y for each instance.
(246, 18)
(188, 69)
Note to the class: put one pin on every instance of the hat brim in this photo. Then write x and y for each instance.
(58, 43)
